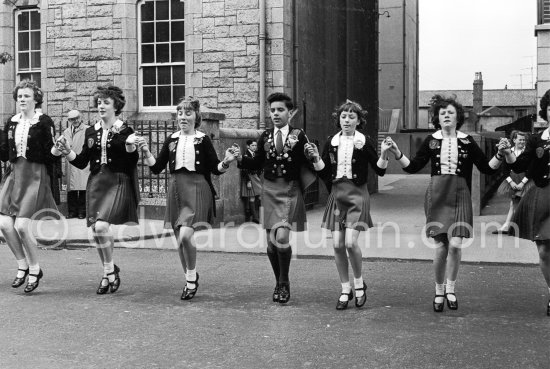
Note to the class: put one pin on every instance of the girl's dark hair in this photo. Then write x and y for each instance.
(439, 102)
(544, 101)
(279, 96)
(38, 94)
(190, 103)
(353, 107)
(249, 142)
(113, 92)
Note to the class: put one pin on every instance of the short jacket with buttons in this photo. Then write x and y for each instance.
(469, 153)
(535, 160)
(286, 164)
(39, 141)
(364, 153)
(118, 159)
(206, 159)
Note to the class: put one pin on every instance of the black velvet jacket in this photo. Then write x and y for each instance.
(287, 165)
(118, 159)
(469, 153)
(364, 153)
(535, 160)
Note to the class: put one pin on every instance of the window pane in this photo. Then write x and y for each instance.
(164, 76)
(24, 61)
(178, 11)
(162, 32)
(35, 20)
(35, 40)
(23, 41)
(162, 53)
(149, 96)
(36, 77)
(147, 32)
(25, 77)
(148, 11)
(35, 60)
(162, 10)
(23, 20)
(178, 74)
(148, 54)
(178, 33)
(165, 96)
(179, 92)
(150, 76)
(178, 52)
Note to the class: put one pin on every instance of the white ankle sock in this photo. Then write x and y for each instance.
(109, 268)
(191, 276)
(33, 269)
(346, 288)
(439, 290)
(22, 265)
(450, 289)
(358, 283)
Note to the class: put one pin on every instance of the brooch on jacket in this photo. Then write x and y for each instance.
(358, 144)
(434, 144)
(465, 141)
(172, 146)
(197, 140)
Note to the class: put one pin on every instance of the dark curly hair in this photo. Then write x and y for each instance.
(113, 92)
(38, 94)
(544, 101)
(439, 102)
(353, 107)
(190, 103)
(279, 96)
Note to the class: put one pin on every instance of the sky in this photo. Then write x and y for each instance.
(461, 37)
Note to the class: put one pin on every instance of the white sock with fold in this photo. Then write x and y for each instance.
(109, 268)
(358, 283)
(191, 276)
(22, 265)
(346, 288)
(33, 269)
(439, 290)
(450, 289)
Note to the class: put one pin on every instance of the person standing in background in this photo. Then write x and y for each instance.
(76, 178)
(251, 186)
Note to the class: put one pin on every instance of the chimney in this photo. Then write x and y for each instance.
(478, 93)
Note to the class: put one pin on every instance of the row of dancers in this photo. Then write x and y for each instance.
(111, 149)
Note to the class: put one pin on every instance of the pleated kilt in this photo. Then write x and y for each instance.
(348, 206)
(448, 207)
(505, 189)
(110, 197)
(532, 215)
(283, 205)
(256, 189)
(189, 202)
(26, 191)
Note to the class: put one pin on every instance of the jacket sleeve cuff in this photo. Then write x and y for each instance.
(150, 161)
(404, 161)
(509, 179)
(381, 163)
(55, 151)
(320, 165)
(71, 156)
(525, 180)
(494, 163)
(221, 168)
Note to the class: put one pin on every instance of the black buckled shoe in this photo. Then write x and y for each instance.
(284, 293)
(343, 305)
(32, 286)
(438, 306)
(103, 289)
(276, 293)
(18, 282)
(360, 301)
(114, 285)
(189, 293)
(453, 305)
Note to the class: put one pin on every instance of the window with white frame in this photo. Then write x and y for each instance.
(161, 45)
(27, 45)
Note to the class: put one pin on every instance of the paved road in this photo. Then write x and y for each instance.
(232, 323)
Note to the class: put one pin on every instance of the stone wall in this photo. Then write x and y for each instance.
(222, 55)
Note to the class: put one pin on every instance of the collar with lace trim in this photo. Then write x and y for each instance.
(17, 118)
(438, 135)
(116, 125)
(546, 134)
(198, 134)
(357, 137)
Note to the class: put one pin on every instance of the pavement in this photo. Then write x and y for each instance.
(397, 211)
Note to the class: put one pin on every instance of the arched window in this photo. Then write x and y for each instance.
(161, 54)
(27, 44)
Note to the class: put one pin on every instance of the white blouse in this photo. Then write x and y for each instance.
(449, 156)
(185, 152)
(345, 153)
(21, 136)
